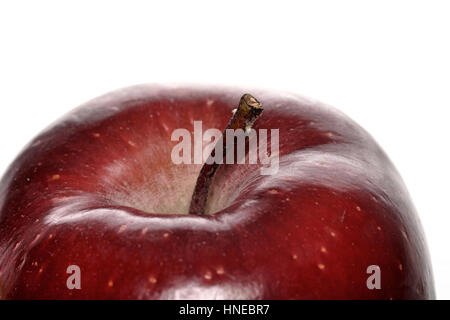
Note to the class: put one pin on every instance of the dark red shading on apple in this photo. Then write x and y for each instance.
(98, 189)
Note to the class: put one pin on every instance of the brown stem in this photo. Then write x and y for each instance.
(245, 115)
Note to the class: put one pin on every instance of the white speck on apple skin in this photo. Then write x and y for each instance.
(404, 235)
(323, 249)
(110, 283)
(400, 267)
(144, 231)
(209, 102)
(321, 266)
(152, 280)
(294, 257)
(35, 239)
(122, 228)
(131, 143)
(166, 128)
(358, 208)
(38, 142)
(207, 275)
(220, 271)
(17, 245)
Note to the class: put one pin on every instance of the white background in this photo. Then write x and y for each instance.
(384, 63)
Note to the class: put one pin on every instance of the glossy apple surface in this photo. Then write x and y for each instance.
(98, 189)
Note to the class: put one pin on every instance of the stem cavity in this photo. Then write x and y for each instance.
(244, 116)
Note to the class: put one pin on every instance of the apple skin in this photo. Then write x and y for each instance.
(98, 189)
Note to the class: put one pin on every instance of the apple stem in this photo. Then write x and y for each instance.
(244, 116)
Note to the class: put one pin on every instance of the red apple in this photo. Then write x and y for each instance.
(98, 190)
